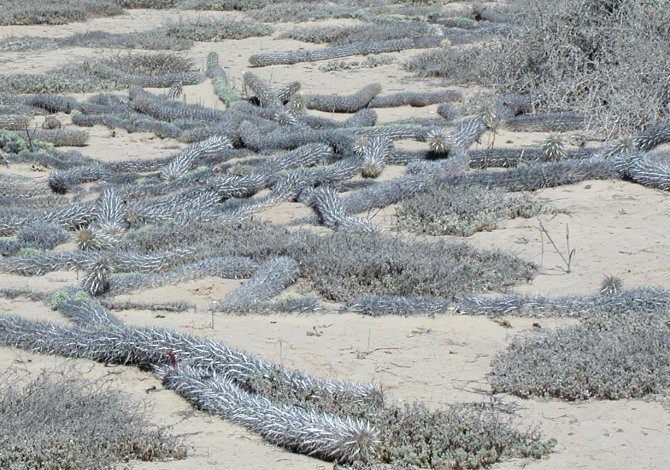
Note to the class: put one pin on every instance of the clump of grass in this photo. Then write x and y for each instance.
(298, 12)
(147, 40)
(19, 12)
(119, 71)
(610, 355)
(344, 266)
(59, 420)
(204, 29)
(217, 5)
(462, 210)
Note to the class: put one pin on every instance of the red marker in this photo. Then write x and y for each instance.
(173, 358)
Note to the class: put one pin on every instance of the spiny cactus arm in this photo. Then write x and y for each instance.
(42, 263)
(170, 110)
(303, 156)
(226, 267)
(266, 96)
(96, 281)
(415, 99)
(547, 122)
(271, 279)
(337, 52)
(342, 440)
(330, 210)
(82, 309)
(375, 154)
(653, 137)
(188, 159)
(109, 210)
(61, 181)
(362, 118)
(343, 103)
(647, 172)
(147, 346)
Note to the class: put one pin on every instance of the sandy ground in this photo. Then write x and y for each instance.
(617, 228)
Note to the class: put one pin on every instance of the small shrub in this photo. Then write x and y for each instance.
(216, 30)
(462, 210)
(605, 58)
(610, 355)
(120, 71)
(59, 420)
(19, 12)
(344, 266)
(459, 436)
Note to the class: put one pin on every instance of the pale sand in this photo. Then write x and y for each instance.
(617, 228)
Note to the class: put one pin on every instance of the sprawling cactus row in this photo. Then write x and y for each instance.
(70, 217)
(328, 437)
(343, 104)
(271, 279)
(645, 299)
(41, 235)
(416, 99)
(129, 123)
(505, 158)
(147, 346)
(331, 213)
(42, 263)
(529, 178)
(193, 203)
(376, 305)
(336, 52)
(254, 139)
(534, 177)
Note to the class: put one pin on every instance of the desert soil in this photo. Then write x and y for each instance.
(616, 228)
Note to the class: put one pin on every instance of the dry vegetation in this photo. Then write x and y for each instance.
(60, 420)
(133, 224)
